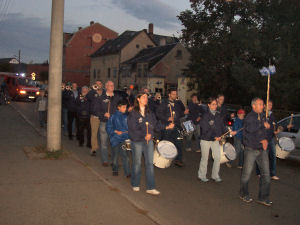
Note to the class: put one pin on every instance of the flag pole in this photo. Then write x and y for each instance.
(268, 94)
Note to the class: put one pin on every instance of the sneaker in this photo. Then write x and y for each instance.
(198, 150)
(178, 163)
(188, 149)
(203, 179)
(266, 202)
(153, 192)
(93, 153)
(136, 189)
(246, 199)
(240, 167)
(218, 180)
(275, 178)
(228, 165)
(115, 173)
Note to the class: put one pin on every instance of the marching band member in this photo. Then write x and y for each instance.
(221, 107)
(72, 113)
(238, 137)
(171, 111)
(212, 128)
(83, 108)
(108, 106)
(195, 113)
(256, 144)
(94, 97)
(141, 125)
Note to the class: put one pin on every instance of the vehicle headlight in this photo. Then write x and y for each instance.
(37, 93)
(22, 92)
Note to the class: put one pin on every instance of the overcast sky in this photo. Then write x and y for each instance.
(25, 24)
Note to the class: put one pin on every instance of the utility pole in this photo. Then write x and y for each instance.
(55, 77)
(19, 59)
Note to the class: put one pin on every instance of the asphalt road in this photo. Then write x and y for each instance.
(185, 200)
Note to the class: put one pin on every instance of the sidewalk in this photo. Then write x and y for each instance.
(53, 191)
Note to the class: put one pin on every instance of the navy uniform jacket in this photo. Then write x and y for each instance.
(83, 107)
(270, 132)
(95, 102)
(254, 130)
(195, 111)
(212, 126)
(64, 98)
(137, 125)
(104, 100)
(223, 112)
(70, 100)
(163, 112)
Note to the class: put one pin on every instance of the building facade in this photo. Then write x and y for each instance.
(78, 48)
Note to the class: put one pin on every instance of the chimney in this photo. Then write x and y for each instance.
(79, 28)
(150, 30)
(91, 23)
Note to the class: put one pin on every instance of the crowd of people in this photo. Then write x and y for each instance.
(107, 122)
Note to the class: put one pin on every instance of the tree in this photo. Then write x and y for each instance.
(230, 40)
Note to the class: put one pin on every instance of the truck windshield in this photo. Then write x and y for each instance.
(26, 82)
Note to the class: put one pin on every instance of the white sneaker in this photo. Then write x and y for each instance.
(199, 150)
(136, 189)
(153, 192)
(188, 149)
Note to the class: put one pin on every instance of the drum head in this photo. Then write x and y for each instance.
(188, 125)
(286, 144)
(229, 151)
(167, 149)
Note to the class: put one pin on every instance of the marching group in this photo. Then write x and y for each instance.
(112, 119)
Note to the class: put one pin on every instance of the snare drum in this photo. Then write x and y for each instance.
(188, 127)
(164, 153)
(228, 153)
(284, 147)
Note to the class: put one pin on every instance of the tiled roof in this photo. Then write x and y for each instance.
(151, 55)
(168, 39)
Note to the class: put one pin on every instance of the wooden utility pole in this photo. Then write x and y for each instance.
(55, 77)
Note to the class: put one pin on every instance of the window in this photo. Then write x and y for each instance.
(178, 54)
(115, 72)
(94, 74)
(108, 72)
(139, 70)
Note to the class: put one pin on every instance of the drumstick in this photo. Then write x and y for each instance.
(173, 115)
(290, 123)
(147, 130)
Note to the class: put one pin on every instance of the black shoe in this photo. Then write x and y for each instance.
(93, 153)
(179, 163)
(128, 176)
(115, 173)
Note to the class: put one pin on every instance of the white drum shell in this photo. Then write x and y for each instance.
(160, 155)
(283, 152)
(225, 159)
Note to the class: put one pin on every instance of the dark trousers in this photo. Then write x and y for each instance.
(71, 117)
(84, 124)
(172, 136)
(42, 118)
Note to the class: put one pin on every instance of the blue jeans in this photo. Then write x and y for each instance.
(272, 158)
(42, 118)
(261, 158)
(196, 133)
(104, 142)
(239, 148)
(65, 120)
(139, 148)
(125, 160)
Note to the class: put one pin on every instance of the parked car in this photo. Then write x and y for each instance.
(294, 132)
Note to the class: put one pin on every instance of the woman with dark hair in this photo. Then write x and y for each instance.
(212, 127)
(141, 126)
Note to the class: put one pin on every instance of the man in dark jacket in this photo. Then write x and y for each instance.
(256, 144)
(83, 107)
(171, 111)
(71, 96)
(222, 108)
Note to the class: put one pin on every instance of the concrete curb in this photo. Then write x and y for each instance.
(107, 183)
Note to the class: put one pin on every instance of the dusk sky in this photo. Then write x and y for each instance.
(25, 24)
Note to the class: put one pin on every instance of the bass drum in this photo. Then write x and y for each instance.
(164, 153)
(228, 153)
(284, 147)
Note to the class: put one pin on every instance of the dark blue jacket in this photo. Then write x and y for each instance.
(238, 124)
(104, 100)
(95, 102)
(70, 100)
(163, 112)
(82, 107)
(211, 126)
(270, 132)
(254, 130)
(118, 121)
(224, 113)
(64, 98)
(195, 111)
(137, 125)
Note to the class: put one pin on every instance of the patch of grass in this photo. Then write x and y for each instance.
(41, 152)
